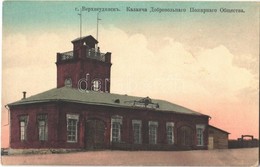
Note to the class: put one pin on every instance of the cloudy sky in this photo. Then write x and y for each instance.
(208, 62)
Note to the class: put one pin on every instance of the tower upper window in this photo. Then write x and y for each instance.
(96, 85)
(68, 82)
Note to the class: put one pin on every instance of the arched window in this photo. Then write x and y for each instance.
(96, 85)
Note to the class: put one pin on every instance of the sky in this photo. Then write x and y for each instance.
(208, 62)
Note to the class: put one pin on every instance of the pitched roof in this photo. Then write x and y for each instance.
(67, 94)
(213, 127)
(85, 37)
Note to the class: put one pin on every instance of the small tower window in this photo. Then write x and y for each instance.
(68, 82)
(96, 85)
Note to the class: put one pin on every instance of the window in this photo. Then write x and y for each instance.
(137, 125)
(96, 85)
(116, 123)
(153, 132)
(72, 127)
(170, 132)
(116, 132)
(107, 85)
(23, 127)
(68, 82)
(43, 127)
(200, 136)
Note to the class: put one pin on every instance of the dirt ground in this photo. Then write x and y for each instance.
(227, 157)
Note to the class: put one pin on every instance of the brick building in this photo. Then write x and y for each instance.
(81, 113)
(218, 138)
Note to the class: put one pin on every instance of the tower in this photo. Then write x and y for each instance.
(85, 68)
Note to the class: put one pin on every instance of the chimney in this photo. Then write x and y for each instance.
(108, 57)
(24, 95)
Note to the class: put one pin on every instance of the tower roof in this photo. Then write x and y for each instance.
(85, 38)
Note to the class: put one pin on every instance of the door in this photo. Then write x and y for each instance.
(95, 134)
(185, 138)
(211, 143)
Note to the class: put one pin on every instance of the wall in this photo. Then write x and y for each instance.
(220, 139)
(57, 126)
(243, 143)
(77, 69)
(81, 64)
(32, 130)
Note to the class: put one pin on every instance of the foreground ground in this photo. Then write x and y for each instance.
(228, 157)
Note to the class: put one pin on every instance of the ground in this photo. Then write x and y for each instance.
(225, 157)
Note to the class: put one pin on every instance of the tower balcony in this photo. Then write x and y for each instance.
(87, 54)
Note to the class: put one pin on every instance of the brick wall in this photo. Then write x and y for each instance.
(57, 126)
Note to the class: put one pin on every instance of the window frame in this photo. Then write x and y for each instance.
(96, 85)
(23, 129)
(68, 82)
(200, 135)
(168, 136)
(42, 129)
(137, 140)
(153, 133)
(72, 117)
(116, 120)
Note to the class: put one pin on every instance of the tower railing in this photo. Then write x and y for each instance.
(91, 53)
(66, 56)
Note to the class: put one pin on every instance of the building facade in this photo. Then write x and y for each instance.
(218, 138)
(81, 113)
